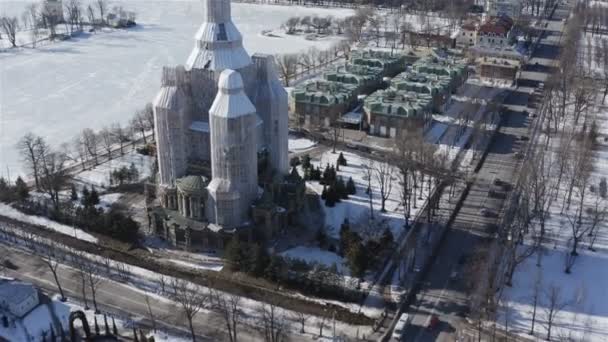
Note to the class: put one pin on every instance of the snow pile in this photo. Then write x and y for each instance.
(210, 266)
(8, 211)
(315, 255)
(100, 175)
(300, 144)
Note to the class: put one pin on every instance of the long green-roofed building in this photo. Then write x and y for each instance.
(365, 78)
(392, 112)
(391, 64)
(321, 102)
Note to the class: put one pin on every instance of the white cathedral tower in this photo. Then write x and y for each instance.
(223, 108)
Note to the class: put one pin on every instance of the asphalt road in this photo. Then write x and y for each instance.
(124, 301)
(439, 294)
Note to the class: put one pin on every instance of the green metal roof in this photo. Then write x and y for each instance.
(398, 103)
(323, 92)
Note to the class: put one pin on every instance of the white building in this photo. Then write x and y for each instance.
(18, 297)
(510, 8)
(467, 35)
(197, 125)
(495, 32)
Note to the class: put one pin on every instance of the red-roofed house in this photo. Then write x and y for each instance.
(495, 32)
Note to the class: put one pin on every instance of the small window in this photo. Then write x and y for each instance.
(222, 34)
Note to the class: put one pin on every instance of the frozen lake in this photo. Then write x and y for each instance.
(97, 79)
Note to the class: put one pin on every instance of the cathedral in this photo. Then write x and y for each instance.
(217, 120)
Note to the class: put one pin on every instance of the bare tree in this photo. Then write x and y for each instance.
(94, 279)
(273, 322)
(53, 175)
(34, 18)
(368, 169)
(90, 143)
(50, 20)
(102, 6)
(596, 216)
(384, 173)
(229, 308)
(150, 313)
(287, 64)
(291, 24)
(148, 113)
(81, 263)
(191, 300)
(52, 257)
(10, 25)
(79, 150)
(321, 325)
(107, 140)
(73, 9)
(121, 135)
(554, 305)
(139, 123)
(30, 147)
(538, 283)
(91, 15)
(301, 318)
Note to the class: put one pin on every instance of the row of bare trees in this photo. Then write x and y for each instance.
(559, 202)
(47, 166)
(45, 16)
(292, 66)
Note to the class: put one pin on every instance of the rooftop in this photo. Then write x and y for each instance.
(324, 92)
(15, 291)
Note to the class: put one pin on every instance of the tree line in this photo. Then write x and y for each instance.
(37, 17)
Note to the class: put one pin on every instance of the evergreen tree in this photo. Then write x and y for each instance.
(357, 259)
(274, 270)
(94, 197)
(21, 189)
(341, 160)
(324, 192)
(387, 238)
(133, 173)
(233, 254)
(341, 192)
(85, 199)
(351, 189)
(306, 161)
(74, 193)
(261, 259)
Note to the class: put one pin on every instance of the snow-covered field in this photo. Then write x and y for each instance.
(96, 79)
(582, 298)
(10, 212)
(356, 208)
(100, 175)
(318, 256)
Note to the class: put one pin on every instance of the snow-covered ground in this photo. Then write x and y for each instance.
(10, 212)
(96, 79)
(356, 208)
(100, 175)
(300, 144)
(316, 255)
(582, 298)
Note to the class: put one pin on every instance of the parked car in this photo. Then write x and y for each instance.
(433, 322)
